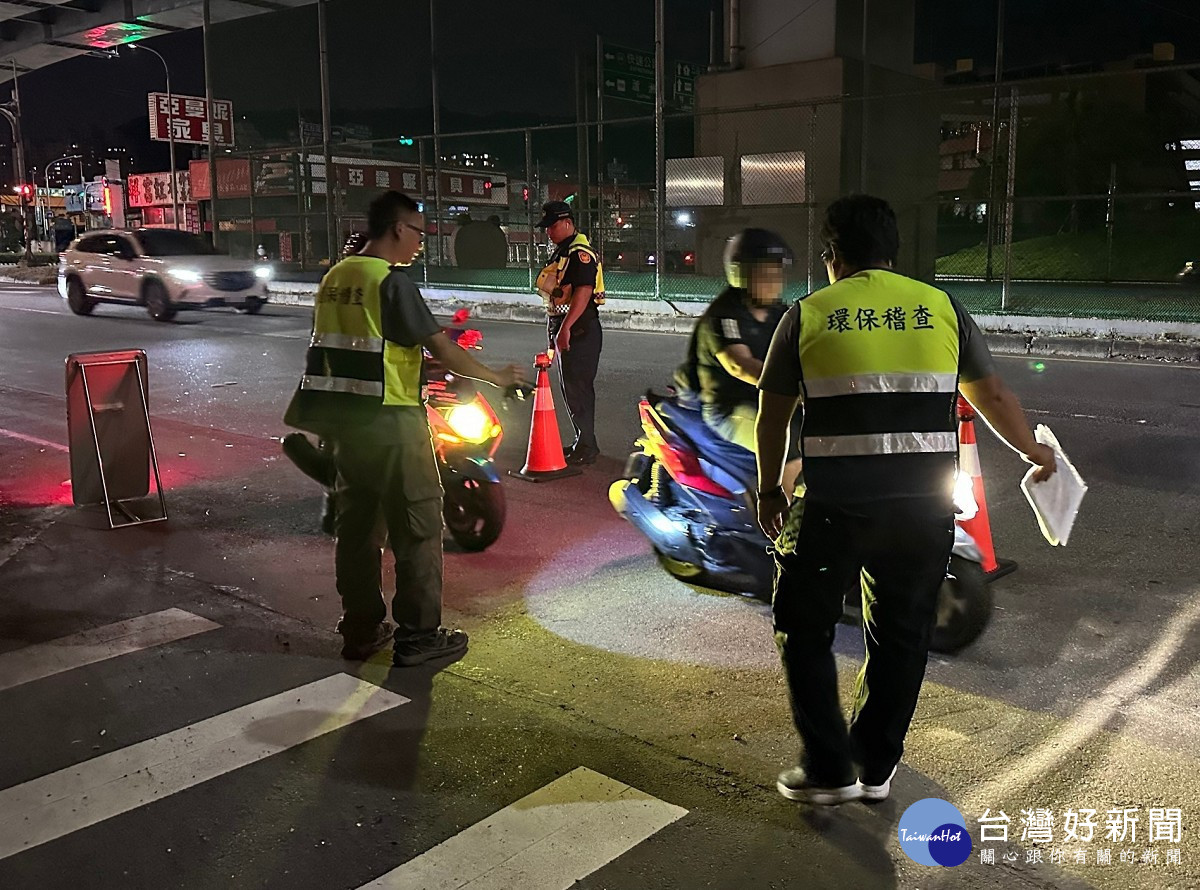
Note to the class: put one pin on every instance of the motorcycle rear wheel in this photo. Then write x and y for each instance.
(474, 512)
(964, 607)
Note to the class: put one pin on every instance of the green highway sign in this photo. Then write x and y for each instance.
(685, 85)
(628, 74)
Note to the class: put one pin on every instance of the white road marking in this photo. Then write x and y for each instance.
(57, 804)
(98, 644)
(29, 309)
(547, 840)
(34, 440)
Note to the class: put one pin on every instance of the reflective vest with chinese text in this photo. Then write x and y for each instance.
(879, 355)
(351, 370)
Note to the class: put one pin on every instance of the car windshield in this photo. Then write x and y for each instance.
(168, 242)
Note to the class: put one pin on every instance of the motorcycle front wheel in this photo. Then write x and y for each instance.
(474, 512)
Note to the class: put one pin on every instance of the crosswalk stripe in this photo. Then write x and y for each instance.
(98, 644)
(70, 799)
(547, 840)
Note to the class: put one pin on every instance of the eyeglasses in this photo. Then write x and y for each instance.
(416, 229)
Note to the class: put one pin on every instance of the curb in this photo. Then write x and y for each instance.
(1009, 335)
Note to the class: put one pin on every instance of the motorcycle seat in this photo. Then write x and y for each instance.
(733, 459)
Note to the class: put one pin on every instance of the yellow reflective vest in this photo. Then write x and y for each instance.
(879, 354)
(549, 281)
(351, 370)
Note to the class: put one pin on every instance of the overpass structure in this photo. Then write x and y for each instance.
(37, 33)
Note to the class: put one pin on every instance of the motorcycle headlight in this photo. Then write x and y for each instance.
(263, 273)
(964, 496)
(469, 422)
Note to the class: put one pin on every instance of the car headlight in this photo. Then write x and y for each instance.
(469, 422)
(191, 276)
(964, 496)
(263, 273)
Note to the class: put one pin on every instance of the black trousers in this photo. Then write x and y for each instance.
(901, 550)
(577, 369)
(390, 471)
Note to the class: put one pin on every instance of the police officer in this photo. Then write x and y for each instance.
(362, 391)
(573, 286)
(877, 360)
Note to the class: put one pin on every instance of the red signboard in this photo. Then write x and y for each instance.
(188, 118)
(233, 179)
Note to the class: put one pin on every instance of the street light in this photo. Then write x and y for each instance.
(170, 130)
(46, 183)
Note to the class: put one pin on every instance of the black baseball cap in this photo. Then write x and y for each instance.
(553, 211)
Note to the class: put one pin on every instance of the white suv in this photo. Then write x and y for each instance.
(162, 269)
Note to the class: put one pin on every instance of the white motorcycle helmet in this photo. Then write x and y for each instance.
(751, 246)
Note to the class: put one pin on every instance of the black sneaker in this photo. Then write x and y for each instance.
(794, 784)
(444, 643)
(360, 645)
(581, 457)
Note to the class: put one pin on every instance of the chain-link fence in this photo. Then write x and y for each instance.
(1085, 203)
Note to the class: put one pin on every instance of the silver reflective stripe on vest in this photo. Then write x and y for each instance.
(347, 341)
(855, 384)
(879, 443)
(343, 384)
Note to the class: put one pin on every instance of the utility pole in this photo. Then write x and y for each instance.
(660, 204)
(992, 216)
(170, 130)
(327, 133)
(437, 135)
(212, 137)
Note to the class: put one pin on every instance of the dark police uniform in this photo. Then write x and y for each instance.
(362, 390)
(575, 264)
(877, 358)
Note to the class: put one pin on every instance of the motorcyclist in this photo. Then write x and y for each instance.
(730, 340)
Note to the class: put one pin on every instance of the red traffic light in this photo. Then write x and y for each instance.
(25, 190)
(487, 184)
(525, 194)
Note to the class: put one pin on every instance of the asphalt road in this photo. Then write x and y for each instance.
(1082, 693)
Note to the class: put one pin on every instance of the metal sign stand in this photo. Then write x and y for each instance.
(117, 494)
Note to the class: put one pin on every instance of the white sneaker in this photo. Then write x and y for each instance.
(794, 785)
(876, 793)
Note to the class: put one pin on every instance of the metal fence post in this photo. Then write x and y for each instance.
(1010, 204)
(529, 202)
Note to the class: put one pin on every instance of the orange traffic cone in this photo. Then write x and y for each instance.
(979, 526)
(544, 460)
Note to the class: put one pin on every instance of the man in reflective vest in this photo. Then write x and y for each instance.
(572, 284)
(362, 390)
(877, 360)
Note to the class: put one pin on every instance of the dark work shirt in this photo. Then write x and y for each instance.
(406, 320)
(728, 321)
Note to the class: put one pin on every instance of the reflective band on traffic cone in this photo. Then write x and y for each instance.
(979, 527)
(544, 459)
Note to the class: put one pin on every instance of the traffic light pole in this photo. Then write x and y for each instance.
(14, 119)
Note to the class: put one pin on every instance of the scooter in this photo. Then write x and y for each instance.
(689, 492)
(466, 432)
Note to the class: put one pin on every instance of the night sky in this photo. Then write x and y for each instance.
(508, 63)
